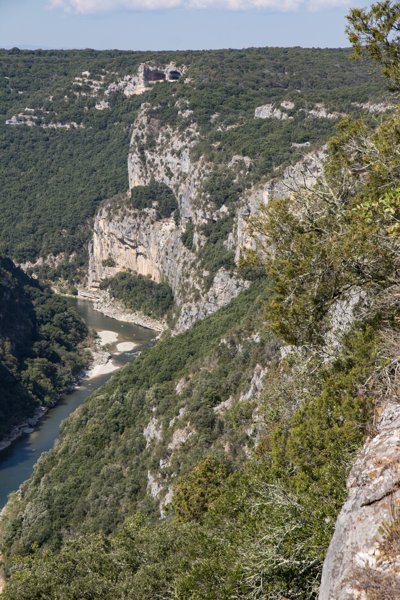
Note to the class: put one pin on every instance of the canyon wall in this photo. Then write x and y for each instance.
(128, 239)
(138, 241)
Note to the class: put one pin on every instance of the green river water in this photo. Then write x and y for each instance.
(17, 461)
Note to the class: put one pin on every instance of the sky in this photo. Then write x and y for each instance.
(173, 24)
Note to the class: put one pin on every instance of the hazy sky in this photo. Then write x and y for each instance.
(173, 24)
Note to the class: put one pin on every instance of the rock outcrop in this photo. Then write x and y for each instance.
(146, 76)
(269, 111)
(302, 174)
(125, 238)
(164, 154)
(140, 242)
(129, 239)
(358, 565)
(134, 241)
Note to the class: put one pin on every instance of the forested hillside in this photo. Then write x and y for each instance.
(65, 122)
(39, 346)
(180, 422)
(215, 465)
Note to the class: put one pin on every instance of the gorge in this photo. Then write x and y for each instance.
(253, 222)
(16, 463)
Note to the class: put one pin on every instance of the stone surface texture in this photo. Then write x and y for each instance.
(354, 557)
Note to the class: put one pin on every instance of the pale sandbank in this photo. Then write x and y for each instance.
(126, 346)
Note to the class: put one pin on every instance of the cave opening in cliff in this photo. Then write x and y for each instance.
(154, 75)
(174, 75)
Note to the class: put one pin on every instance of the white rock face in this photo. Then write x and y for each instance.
(58, 125)
(241, 161)
(340, 318)
(152, 431)
(22, 119)
(29, 119)
(181, 413)
(146, 76)
(222, 407)
(256, 383)
(302, 174)
(168, 161)
(375, 108)
(268, 111)
(287, 105)
(165, 501)
(321, 112)
(300, 145)
(94, 86)
(180, 437)
(102, 105)
(154, 486)
(180, 386)
(50, 260)
(353, 556)
(136, 241)
(224, 288)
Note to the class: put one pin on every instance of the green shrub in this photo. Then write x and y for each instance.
(187, 236)
(195, 492)
(155, 195)
(108, 262)
(140, 293)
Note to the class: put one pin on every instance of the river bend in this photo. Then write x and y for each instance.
(17, 461)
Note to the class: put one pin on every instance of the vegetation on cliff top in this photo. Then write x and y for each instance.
(157, 196)
(52, 180)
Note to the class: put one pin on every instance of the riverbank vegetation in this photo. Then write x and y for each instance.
(139, 293)
(40, 346)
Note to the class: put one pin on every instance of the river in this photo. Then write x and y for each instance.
(17, 462)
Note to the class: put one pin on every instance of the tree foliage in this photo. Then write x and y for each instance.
(336, 242)
(155, 195)
(139, 293)
(375, 32)
(40, 345)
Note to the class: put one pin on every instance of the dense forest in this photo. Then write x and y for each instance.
(41, 351)
(140, 293)
(54, 177)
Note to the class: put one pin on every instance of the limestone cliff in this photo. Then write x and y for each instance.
(360, 562)
(164, 153)
(138, 241)
(302, 174)
(125, 238)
